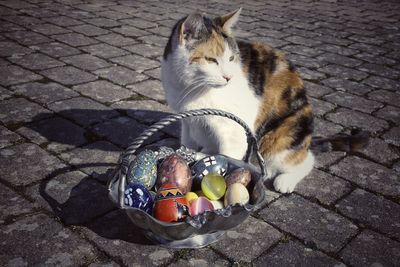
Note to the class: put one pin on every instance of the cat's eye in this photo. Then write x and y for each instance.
(231, 58)
(212, 60)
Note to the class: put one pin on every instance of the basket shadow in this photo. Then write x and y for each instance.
(80, 200)
(77, 127)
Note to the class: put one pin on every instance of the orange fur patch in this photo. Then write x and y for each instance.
(213, 47)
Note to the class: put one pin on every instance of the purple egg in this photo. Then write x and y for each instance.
(200, 205)
(174, 169)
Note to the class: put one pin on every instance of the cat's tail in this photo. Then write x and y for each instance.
(354, 141)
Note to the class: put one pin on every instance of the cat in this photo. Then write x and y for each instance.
(203, 66)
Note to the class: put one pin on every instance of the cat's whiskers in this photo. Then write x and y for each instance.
(197, 86)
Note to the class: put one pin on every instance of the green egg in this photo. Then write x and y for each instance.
(213, 186)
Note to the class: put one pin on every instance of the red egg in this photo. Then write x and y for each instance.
(200, 205)
(170, 204)
(174, 169)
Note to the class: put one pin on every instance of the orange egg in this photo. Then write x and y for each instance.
(170, 204)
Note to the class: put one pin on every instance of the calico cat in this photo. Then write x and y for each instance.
(204, 66)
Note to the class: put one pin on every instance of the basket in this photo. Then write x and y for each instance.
(203, 229)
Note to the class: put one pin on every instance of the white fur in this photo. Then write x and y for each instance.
(196, 86)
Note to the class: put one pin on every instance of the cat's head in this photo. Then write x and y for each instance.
(205, 48)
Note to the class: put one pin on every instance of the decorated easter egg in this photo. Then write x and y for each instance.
(137, 196)
(212, 164)
(190, 196)
(170, 204)
(200, 205)
(143, 169)
(217, 204)
(240, 175)
(174, 169)
(213, 186)
(236, 194)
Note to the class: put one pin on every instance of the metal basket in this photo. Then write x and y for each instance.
(203, 229)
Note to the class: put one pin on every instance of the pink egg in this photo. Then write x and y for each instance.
(200, 205)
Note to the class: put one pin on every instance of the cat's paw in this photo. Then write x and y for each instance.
(285, 183)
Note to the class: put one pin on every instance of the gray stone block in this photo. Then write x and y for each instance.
(82, 110)
(54, 244)
(368, 174)
(323, 186)
(36, 61)
(371, 249)
(150, 88)
(121, 75)
(393, 136)
(310, 222)
(10, 75)
(16, 111)
(68, 75)
(248, 240)
(354, 102)
(372, 210)
(12, 204)
(8, 138)
(104, 50)
(137, 63)
(293, 253)
(56, 49)
(44, 93)
(27, 163)
(104, 91)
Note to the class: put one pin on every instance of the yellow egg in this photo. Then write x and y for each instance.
(213, 186)
(236, 194)
(190, 196)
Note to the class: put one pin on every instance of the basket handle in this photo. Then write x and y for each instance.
(137, 143)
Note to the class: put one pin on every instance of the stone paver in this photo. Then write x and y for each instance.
(310, 222)
(383, 214)
(11, 74)
(79, 80)
(323, 186)
(368, 174)
(44, 93)
(28, 161)
(115, 234)
(8, 137)
(15, 111)
(86, 62)
(103, 91)
(83, 110)
(295, 254)
(247, 241)
(372, 249)
(93, 159)
(120, 75)
(37, 61)
(57, 245)
(56, 133)
(12, 204)
(68, 75)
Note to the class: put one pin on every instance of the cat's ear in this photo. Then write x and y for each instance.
(229, 20)
(192, 29)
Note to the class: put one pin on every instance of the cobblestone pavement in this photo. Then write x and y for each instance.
(80, 79)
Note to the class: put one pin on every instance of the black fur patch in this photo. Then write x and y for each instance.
(260, 64)
(303, 128)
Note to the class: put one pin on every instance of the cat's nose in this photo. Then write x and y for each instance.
(227, 78)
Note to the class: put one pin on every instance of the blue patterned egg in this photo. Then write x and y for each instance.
(211, 164)
(143, 169)
(137, 196)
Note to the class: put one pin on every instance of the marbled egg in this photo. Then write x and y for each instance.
(174, 169)
(212, 164)
(170, 204)
(213, 186)
(200, 205)
(240, 175)
(236, 194)
(137, 196)
(143, 169)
